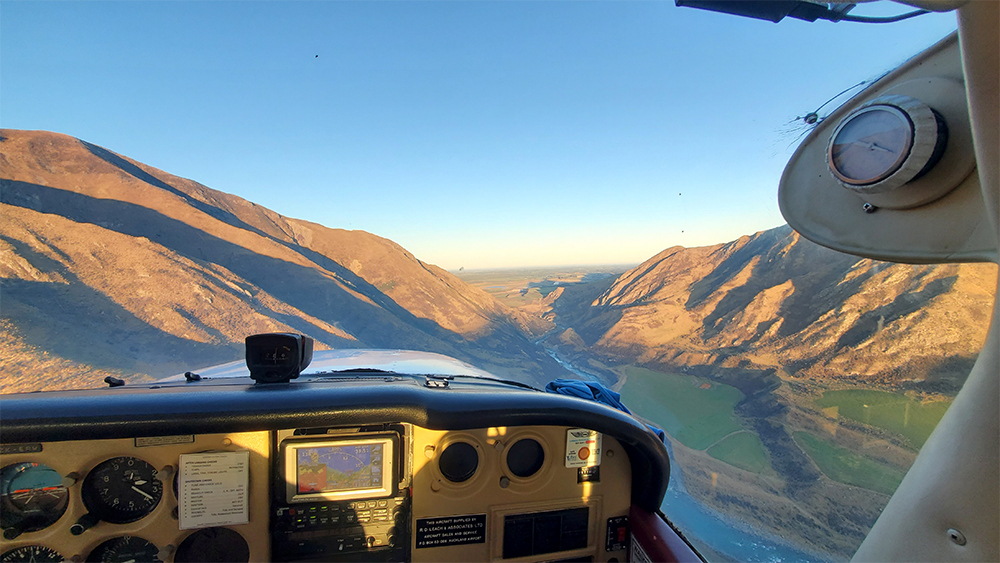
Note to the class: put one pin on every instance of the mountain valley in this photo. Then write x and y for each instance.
(203, 269)
(796, 384)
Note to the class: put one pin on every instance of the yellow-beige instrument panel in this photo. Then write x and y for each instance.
(467, 495)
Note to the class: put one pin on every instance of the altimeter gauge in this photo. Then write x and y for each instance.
(32, 497)
(886, 143)
(119, 490)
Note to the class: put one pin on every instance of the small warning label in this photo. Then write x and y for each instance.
(451, 530)
(583, 448)
(588, 474)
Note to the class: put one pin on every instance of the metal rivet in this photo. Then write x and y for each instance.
(869, 208)
(166, 552)
(956, 536)
(69, 480)
(504, 482)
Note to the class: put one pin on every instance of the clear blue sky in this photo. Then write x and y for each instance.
(475, 134)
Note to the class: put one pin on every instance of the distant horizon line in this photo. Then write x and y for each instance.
(626, 265)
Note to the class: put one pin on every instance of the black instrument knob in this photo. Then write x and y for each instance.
(86, 522)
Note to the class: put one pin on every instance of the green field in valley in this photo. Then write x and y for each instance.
(744, 450)
(696, 416)
(695, 411)
(844, 466)
(518, 287)
(892, 411)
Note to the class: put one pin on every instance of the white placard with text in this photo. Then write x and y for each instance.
(583, 447)
(213, 489)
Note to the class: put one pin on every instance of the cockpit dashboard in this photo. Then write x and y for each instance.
(383, 467)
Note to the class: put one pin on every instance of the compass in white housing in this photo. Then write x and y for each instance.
(885, 144)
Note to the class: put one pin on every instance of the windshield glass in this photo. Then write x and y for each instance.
(540, 190)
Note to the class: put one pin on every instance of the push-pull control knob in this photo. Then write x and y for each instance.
(86, 522)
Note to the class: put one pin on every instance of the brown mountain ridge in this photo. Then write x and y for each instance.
(205, 268)
(780, 303)
(108, 263)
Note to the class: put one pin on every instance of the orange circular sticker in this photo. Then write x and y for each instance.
(584, 453)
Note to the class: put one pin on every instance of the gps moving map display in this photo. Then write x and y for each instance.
(335, 470)
(339, 468)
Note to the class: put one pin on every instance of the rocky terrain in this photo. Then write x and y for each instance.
(783, 320)
(778, 303)
(111, 266)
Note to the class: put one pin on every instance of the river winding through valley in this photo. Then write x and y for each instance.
(732, 539)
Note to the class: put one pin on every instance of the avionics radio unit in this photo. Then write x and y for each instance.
(340, 498)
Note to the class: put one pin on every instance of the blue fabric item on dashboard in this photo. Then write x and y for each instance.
(594, 391)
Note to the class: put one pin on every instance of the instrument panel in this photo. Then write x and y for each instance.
(117, 500)
(384, 492)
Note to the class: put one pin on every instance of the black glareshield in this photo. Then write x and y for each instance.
(278, 357)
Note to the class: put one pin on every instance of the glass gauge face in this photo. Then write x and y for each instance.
(32, 553)
(125, 549)
(870, 145)
(213, 544)
(122, 490)
(32, 497)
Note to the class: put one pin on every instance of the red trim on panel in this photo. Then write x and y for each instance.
(658, 539)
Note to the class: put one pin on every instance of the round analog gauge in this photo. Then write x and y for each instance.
(122, 490)
(213, 544)
(870, 145)
(458, 462)
(525, 457)
(125, 549)
(32, 497)
(31, 553)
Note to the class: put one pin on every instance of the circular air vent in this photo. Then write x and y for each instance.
(525, 457)
(458, 462)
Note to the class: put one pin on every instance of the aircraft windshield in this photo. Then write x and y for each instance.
(540, 190)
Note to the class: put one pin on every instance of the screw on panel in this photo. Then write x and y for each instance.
(869, 208)
(957, 537)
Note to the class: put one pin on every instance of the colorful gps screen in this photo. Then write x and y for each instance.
(339, 468)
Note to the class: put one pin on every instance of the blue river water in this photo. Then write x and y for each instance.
(703, 525)
(733, 539)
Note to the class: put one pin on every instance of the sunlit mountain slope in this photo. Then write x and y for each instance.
(777, 322)
(775, 301)
(111, 264)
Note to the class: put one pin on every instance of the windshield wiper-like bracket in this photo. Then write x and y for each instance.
(437, 381)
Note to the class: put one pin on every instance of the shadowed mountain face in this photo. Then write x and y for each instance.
(774, 301)
(108, 264)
